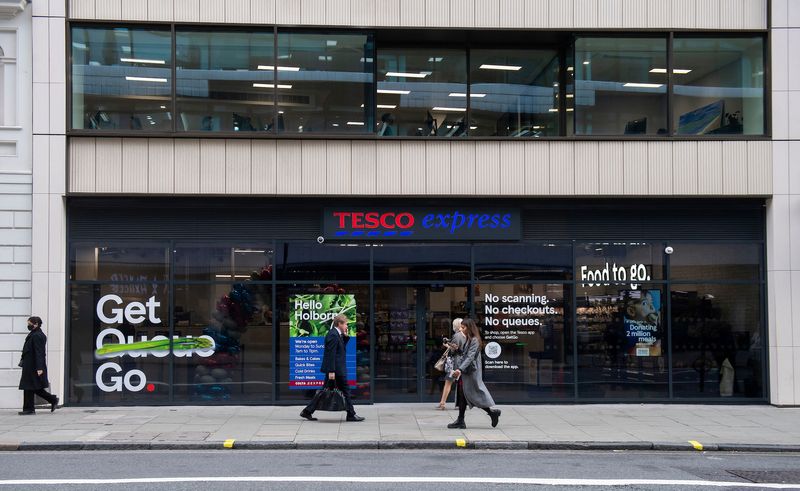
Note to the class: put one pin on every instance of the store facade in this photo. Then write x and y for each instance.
(579, 301)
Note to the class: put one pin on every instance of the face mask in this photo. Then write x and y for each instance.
(30, 327)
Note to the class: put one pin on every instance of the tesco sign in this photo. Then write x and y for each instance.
(421, 224)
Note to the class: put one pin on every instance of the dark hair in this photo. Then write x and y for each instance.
(471, 330)
(36, 321)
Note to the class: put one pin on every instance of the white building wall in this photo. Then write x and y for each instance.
(783, 211)
(16, 184)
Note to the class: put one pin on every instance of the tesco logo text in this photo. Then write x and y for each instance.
(373, 220)
(451, 222)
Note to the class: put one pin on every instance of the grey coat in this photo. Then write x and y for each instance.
(469, 362)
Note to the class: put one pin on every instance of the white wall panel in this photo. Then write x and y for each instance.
(212, 166)
(315, 161)
(161, 166)
(136, 9)
(264, 167)
(487, 13)
(389, 169)
(780, 59)
(41, 45)
(537, 13)
(262, 11)
(412, 12)
(290, 167)
(659, 14)
(462, 13)
(512, 13)
(412, 154)
(462, 163)
(108, 152)
(187, 166)
(586, 15)
(339, 176)
(635, 173)
(537, 168)
(437, 13)
(41, 164)
(794, 108)
(58, 171)
(58, 8)
(159, 10)
(387, 12)
(755, 14)
(237, 11)
(82, 9)
(786, 365)
(792, 14)
(58, 44)
(437, 167)
(337, 12)
(612, 167)
(237, 167)
(312, 12)
(780, 12)
(40, 9)
(709, 168)
(780, 162)
(134, 165)
(82, 168)
(41, 108)
(707, 12)
(684, 168)
(731, 14)
(106, 9)
(634, 13)
(560, 14)
(609, 13)
(287, 12)
(684, 14)
(57, 238)
(778, 230)
(58, 108)
(793, 154)
(487, 167)
(212, 11)
(512, 168)
(659, 168)
(189, 10)
(362, 12)
(562, 168)
(759, 167)
(780, 114)
(364, 168)
(587, 168)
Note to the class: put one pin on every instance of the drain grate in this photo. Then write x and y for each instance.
(763, 477)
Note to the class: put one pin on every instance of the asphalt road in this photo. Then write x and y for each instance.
(394, 469)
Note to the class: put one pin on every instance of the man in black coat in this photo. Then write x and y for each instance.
(334, 364)
(34, 369)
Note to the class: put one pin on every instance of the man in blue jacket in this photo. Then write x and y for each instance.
(334, 365)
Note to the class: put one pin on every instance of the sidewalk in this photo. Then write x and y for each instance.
(597, 426)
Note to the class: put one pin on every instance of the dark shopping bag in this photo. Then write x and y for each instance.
(329, 398)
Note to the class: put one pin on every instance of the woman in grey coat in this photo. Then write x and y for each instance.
(456, 344)
(469, 373)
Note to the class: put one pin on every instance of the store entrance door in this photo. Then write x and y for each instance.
(410, 322)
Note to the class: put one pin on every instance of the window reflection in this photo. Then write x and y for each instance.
(719, 86)
(219, 75)
(422, 92)
(513, 93)
(324, 83)
(620, 86)
(121, 78)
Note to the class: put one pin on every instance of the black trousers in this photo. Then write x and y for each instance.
(27, 398)
(341, 384)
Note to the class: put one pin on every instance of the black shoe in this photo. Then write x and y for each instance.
(354, 417)
(54, 404)
(495, 415)
(459, 423)
(26, 413)
(307, 415)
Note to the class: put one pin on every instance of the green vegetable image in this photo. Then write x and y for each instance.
(312, 314)
(178, 344)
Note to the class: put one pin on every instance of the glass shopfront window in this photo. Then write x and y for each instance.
(719, 85)
(220, 263)
(715, 262)
(618, 262)
(311, 261)
(119, 263)
(422, 92)
(620, 86)
(393, 262)
(519, 262)
(122, 78)
(513, 93)
(325, 83)
(527, 331)
(220, 80)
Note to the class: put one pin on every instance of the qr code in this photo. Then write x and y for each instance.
(492, 350)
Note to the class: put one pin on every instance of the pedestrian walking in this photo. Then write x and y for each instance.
(33, 380)
(469, 373)
(334, 366)
(456, 345)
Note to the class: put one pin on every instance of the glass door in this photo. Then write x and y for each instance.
(410, 322)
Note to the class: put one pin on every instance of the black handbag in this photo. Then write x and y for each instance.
(329, 398)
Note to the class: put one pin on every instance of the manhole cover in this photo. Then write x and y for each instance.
(763, 477)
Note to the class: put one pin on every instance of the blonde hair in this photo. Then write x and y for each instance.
(457, 323)
(341, 318)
